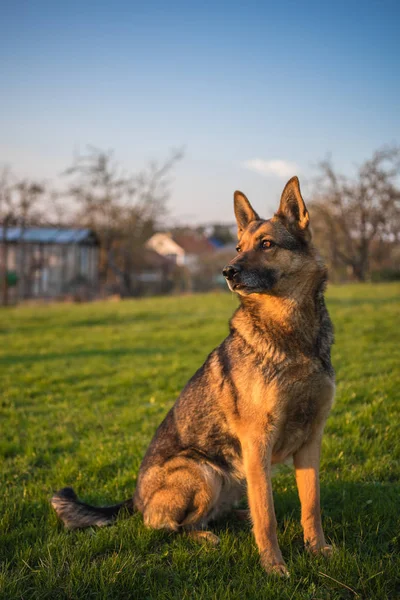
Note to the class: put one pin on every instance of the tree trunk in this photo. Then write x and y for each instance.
(4, 279)
(359, 272)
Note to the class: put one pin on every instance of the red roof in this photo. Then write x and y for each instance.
(153, 260)
(193, 243)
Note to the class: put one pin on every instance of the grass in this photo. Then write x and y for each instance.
(83, 388)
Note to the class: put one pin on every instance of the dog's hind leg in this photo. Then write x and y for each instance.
(242, 514)
(179, 497)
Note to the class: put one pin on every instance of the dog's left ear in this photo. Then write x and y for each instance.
(292, 208)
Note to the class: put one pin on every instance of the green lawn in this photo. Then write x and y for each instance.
(83, 388)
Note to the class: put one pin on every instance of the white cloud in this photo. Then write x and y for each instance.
(280, 168)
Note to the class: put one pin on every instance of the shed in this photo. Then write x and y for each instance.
(46, 262)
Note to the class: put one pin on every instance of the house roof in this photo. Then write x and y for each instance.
(162, 243)
(194, 244)
(49, 235)
(152, 260)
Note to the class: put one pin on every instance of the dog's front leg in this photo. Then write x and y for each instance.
(257, 466)
(306, 462)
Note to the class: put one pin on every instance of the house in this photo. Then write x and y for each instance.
(155, 275)
(164, 245)
(184, 249)
(48, 262)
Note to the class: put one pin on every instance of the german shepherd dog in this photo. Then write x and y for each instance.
(260, 398)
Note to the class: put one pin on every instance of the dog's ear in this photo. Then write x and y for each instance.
(292, 209)
(244, 212)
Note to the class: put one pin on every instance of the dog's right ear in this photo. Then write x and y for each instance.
(244, 212)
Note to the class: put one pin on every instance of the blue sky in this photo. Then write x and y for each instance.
(255, 91)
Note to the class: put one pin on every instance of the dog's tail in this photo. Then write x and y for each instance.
(76, 514)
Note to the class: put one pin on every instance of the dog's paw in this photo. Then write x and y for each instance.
(278, 569)
(326, 551)
(204, 536)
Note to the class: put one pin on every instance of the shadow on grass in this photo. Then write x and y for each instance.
(355, 515)
(358, 518)
(111, 320)
(354, 302)
(93, 353)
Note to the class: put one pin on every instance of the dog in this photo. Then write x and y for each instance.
(262, 396)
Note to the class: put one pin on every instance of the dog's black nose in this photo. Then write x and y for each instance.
(230, 271)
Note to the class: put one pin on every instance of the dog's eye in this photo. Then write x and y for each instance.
(238, 249)
(265, 244)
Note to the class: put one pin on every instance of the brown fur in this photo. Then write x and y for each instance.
(261, 397)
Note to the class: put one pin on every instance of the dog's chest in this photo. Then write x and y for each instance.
(302, 405)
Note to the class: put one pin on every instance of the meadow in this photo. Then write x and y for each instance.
(82, 390)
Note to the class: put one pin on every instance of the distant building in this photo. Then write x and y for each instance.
(49, 262)
(184, 249)
(164, 245)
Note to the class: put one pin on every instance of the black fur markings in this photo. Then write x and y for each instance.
(225, 364)
(325, 337)
(254, 225)
(169, 442)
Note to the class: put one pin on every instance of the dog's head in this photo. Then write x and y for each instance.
(275, 254)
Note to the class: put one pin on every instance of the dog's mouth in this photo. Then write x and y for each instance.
(238, 287)
(233, 285)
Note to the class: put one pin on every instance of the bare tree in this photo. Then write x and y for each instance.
(19, 207)
(350, 214)
(6, 218)
(123, 209)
